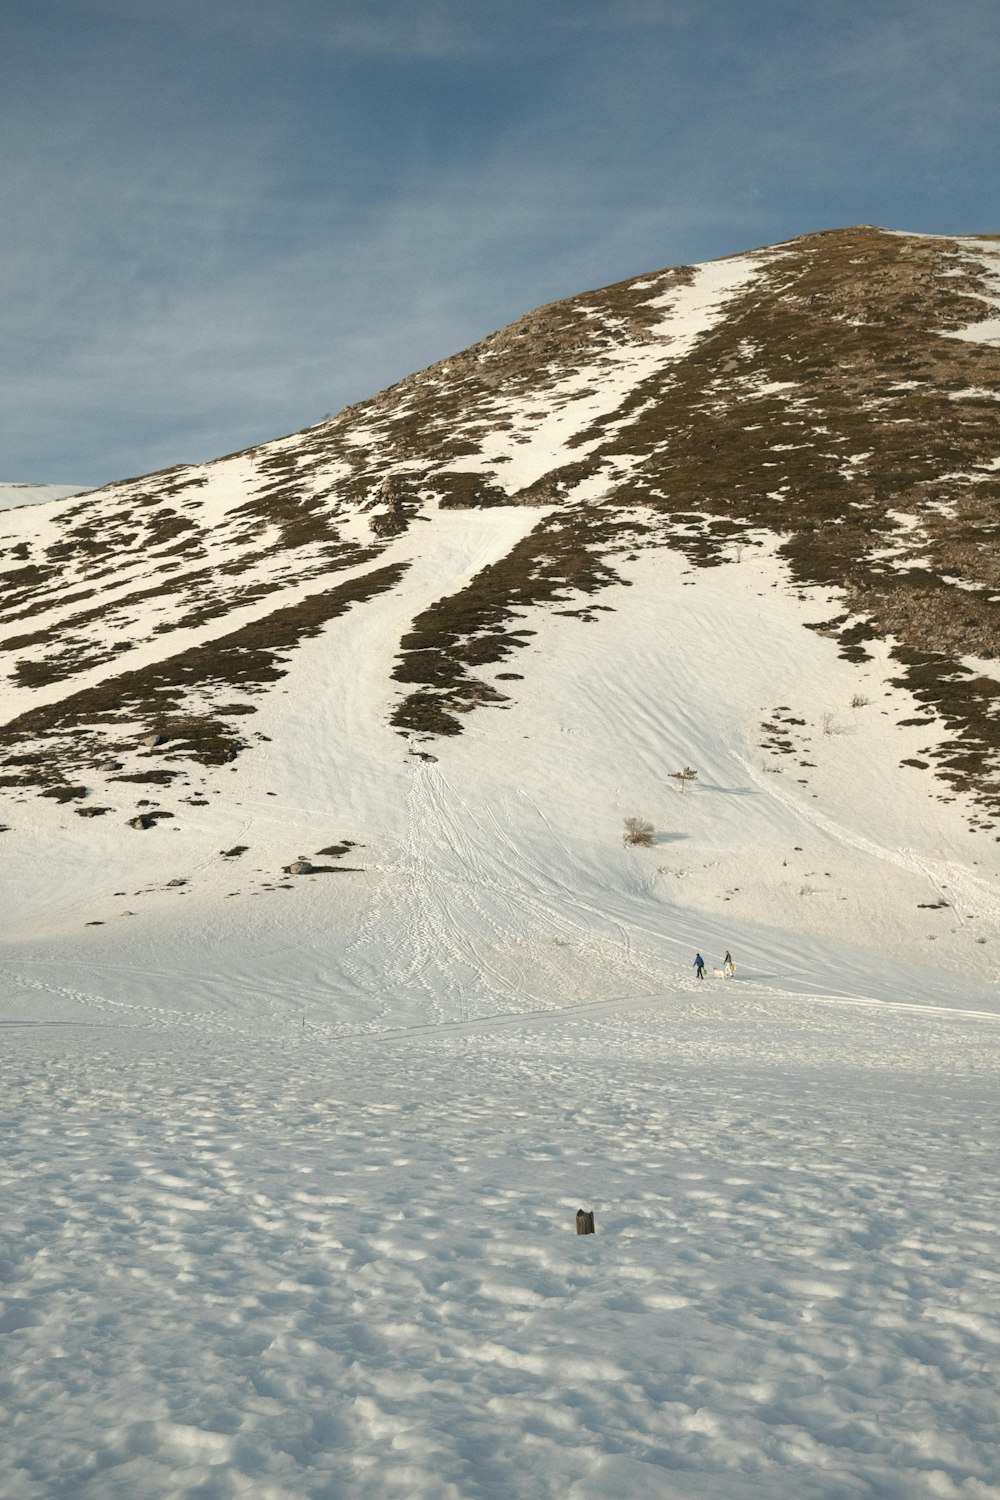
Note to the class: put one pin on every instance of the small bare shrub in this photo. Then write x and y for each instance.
(860, 701)
(830, 725)
(638, 831)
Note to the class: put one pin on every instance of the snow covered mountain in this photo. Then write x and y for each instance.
(315, 766)
(836, 394)
(662, 480)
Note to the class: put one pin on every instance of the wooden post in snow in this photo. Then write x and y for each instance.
(585, 1221)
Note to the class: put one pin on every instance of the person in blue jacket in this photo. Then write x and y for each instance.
(699, 966)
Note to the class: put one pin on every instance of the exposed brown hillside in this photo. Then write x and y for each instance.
(828, 406)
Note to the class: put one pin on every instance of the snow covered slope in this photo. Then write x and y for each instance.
(330, 989)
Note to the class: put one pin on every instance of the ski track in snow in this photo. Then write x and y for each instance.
(291, 1167)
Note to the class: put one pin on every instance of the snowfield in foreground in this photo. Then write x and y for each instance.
(292, 1163)
(321, 1267)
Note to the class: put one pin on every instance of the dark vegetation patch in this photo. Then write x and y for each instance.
(40, 604)
(458, 490)
(818, 409)
(144, 527)
(969, 705)
(17, 580)
(214, 606)
(479, 625)
(21, 585)
(290, 498)
(33, 638)
(779, 731)
(36, 674)
(323, 870)
(392, 506)
(148, 819)
(156, 696)
(160, 777)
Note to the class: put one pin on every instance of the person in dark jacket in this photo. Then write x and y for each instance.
(699, 966)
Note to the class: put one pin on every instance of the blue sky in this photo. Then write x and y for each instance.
(223, 219)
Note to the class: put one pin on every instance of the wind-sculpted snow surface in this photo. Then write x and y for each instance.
(282, 1264)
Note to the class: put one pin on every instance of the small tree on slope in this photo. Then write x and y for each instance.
(688, 774)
